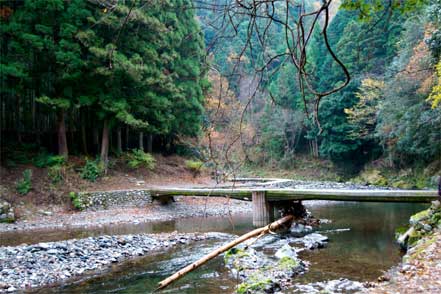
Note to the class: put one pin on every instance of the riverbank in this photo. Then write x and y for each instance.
(420, 271)
(44, 264)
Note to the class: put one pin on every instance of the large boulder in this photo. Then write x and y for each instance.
(6, 212)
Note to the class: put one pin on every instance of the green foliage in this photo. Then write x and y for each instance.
(54, 103)
(44, 159)
(434, 16)
(363, 115)
(138, 158)
(287, 263)
(92, 170)
(18, 153)
(401, 121)
(76, 201)
(72, 60)
(24, 185)
(253, 286)
(194, 165)
(56, 173)
(368, 9)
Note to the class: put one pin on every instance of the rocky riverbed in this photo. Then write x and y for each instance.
(31, 266)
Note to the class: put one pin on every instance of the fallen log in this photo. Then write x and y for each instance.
(264, 230)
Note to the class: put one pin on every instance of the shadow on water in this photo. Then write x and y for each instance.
(361, 253)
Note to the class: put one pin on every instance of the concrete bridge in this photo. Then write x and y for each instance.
(267, 201)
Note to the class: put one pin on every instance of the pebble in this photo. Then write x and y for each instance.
(343, 286)
(299, 184)
(29, 266)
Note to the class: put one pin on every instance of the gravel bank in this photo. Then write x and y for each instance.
(299, 184)
(24, 267)
(182, 207)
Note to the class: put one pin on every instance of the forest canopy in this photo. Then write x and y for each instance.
(264, 81)
(388, 108)
(74, 69)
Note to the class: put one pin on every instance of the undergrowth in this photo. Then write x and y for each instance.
(138, 158)
(24, 185)
(92, 170)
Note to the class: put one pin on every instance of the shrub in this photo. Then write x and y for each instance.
(194, 166)
(24, 185)
(56, 173)
(76, 202)
(92, 170)
(44, 159)
(139, 158)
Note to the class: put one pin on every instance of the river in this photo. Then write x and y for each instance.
(361, 248)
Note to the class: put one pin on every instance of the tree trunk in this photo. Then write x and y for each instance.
(18, 122)
(316, 151)
(118, 141)
(149, 143)
(141, 141)
(105, 144)
(313, 145)
(83, 133)
(255, 233)
(127, 138)
(96, 139)
(62, 140)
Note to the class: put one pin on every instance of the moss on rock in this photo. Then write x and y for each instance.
(255, 285)
(237, 252)
(421, 225)
(420, 216)
(287, 263)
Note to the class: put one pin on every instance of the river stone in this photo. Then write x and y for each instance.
(286, 251)
(300, 230)
(261, 274)
(108, 199)
(420, 216)
(6, 212)
(29, 266)
(334, 286)
(313, 241)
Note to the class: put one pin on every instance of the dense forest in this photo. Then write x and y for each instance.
(389, 111)
(93, 77)
(89, 76)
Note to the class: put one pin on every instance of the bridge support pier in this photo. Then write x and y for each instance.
(263, 211)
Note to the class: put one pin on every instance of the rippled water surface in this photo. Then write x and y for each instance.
(361, 247)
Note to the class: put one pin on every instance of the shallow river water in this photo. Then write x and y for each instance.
(361, 247)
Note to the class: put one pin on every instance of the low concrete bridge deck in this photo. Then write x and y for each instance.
(267, 201)
(418, 196)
